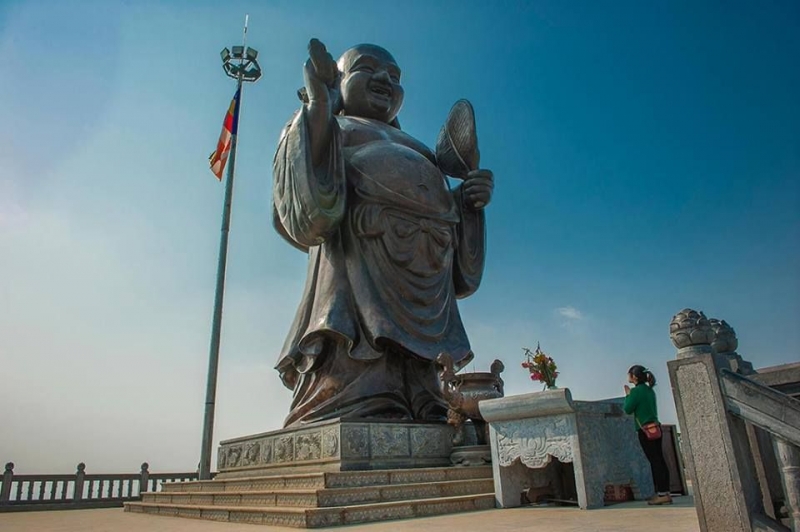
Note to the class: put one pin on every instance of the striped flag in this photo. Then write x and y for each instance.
(230, 126)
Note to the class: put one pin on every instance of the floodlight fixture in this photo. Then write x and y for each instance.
(241, 63)
(232, 70)
(253, 73)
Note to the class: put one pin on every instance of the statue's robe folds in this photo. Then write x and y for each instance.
(390, 248)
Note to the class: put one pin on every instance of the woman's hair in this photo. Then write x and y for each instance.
(642, 374)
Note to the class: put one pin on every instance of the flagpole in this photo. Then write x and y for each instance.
(246, 70)
(244, 31)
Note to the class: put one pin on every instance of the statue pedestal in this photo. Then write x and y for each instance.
(595, 437)
(337, 472)
(337, 445)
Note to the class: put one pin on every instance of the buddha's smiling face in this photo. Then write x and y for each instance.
(370, 83)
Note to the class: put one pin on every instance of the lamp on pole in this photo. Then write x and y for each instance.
(239, 63)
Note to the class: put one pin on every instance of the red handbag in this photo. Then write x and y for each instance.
(651, 430)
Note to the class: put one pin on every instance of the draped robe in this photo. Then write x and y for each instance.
(390, 249)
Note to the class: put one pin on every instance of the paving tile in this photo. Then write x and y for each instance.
(628, 517)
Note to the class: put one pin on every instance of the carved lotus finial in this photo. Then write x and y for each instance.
(690, 327)
(725, 340)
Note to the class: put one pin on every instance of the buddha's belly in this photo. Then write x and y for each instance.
(390, 173)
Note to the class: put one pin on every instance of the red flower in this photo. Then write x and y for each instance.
(542, 367)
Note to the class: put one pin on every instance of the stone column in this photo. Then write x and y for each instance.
(144, 478)
(79, 476)
(789, 460)
(715, 443)
(8, 477)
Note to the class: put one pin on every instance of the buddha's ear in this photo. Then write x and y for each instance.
(395, 123)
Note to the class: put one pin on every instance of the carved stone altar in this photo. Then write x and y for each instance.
(337, 445)
(595, 437)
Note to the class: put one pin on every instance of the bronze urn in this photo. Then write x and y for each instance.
(463, 392)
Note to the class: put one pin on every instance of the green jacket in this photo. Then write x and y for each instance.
(641, 402)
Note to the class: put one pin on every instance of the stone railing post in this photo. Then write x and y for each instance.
(8, 476)
(789, 461)
(79, 474)
(716, 445)
(144, 478)
(724, 345)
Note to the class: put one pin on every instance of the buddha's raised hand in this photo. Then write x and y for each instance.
(320, 75)
(319, 72)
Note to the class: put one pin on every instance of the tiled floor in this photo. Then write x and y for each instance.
(627, 517)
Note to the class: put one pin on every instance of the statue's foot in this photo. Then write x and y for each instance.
(433, 412)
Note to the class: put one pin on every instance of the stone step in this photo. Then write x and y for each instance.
(321, 517)
(337, 479)
(324, 497)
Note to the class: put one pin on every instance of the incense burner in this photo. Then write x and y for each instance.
(464, 392)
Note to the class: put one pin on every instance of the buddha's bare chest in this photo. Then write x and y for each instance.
(358, 132)
(391, 168)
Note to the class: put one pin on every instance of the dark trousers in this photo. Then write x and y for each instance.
(655, 455)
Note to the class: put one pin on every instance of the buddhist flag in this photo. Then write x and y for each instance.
(230, 126)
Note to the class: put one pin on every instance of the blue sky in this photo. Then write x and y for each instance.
(646, 154)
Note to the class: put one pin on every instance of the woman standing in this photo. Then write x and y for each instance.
(641, 402)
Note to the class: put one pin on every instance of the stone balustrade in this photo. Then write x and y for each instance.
(740, 429)
(79, 490)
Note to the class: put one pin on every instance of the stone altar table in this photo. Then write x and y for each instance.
(596, 437)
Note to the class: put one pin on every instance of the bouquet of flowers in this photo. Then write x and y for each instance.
(541, 366)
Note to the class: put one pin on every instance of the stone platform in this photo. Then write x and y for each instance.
(337, 445)
(322, 499)
(338, 472)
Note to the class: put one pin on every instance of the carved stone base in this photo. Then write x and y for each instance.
(337, 445)
(471, 455)
(536, 429)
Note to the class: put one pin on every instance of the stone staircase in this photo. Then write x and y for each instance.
(313, 500)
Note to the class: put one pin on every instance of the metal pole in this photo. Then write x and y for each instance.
(213, 356)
